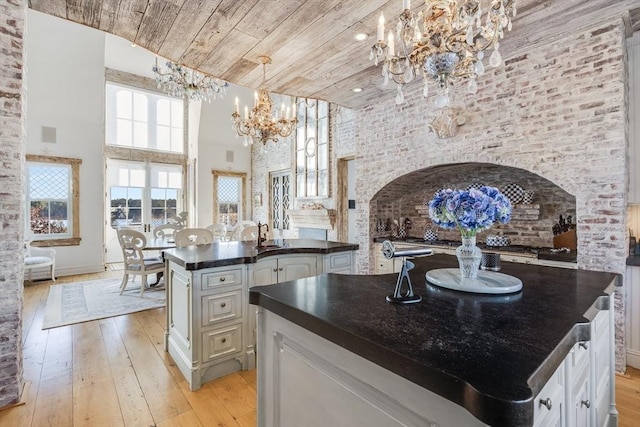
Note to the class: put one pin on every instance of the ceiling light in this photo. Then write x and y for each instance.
(259, 125)
(186, 83)
(357, 89)
(361, 36)
(442, 43)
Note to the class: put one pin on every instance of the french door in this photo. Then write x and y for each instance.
(139, 195)
(280, 200)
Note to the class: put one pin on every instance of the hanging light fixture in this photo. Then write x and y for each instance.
(443, 43)
(186, 83)
(258, 124)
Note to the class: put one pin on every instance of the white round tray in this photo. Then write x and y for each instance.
(487, 282)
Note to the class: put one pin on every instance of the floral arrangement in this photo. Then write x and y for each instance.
(471, 211)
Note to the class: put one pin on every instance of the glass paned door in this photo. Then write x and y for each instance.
(140, 195)
(280, 200)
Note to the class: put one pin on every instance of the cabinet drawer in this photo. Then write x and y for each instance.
(339, 261)
(221, 342)
(579, 361)
(221, 307)
(221, 278)
(554, 391)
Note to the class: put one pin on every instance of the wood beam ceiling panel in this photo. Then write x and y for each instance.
(223, 20)
(52, 7)
(234, 45)
(156, 22)
(191, 19)
(108, 15)
(85, 12)
(128, 18)
(266, 16)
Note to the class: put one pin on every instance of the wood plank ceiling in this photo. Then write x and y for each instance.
(311, 42)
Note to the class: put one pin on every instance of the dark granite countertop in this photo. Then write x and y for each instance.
(489, 354)
(219, 254)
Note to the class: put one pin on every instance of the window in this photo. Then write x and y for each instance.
(139, 119)
(228, 200)
(312, 148)
(52, 199)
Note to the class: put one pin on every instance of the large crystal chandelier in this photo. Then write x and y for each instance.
(186, 83)
(444, 42)
(258, 124)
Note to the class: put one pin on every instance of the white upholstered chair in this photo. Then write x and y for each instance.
(192, 237)
(133, 243)
(251, 233)
(219, 231)
(237, 231)
(35, 257)
(166, 230)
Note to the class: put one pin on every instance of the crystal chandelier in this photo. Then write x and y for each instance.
(186, 83)
(444, 42)
(257, 124)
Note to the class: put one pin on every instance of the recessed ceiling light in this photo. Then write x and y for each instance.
(357, 89)
(361, 36)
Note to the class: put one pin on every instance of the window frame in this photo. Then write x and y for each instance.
(314, 146)
(74, 201)
(242, 211)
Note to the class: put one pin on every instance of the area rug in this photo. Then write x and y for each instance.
(78, 302)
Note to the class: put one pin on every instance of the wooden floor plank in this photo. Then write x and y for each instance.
(208, 407)
(165, 399)
(188, 419)
(235, 394)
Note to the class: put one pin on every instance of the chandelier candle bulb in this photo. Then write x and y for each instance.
(406, 4)
(391, 43)
(237, 105)
(381, 27)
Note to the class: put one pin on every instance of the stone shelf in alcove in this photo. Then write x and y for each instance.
(520, 212)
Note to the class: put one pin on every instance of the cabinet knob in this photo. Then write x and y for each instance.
(546, 402)
(280, 269)
(275, 270)
(583, 345)
(222, 279)
(224, 340)
(223, 305)
(586, 403)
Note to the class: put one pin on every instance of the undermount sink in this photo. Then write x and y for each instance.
(267, 247)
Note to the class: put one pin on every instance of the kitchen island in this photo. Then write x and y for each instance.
(332, 351)
(210, 327)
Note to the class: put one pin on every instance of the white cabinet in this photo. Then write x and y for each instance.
(206, 316)
(578, 398)
(339, 262)
(281, 268)
(548, 409)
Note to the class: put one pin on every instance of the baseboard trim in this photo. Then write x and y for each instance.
(633, 358)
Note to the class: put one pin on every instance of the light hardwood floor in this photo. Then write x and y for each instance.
(115, 372)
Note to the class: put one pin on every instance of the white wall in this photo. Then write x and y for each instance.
(65, 86)
(215, 139)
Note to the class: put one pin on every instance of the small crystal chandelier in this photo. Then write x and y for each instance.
(258, 125)
(186, 83)
(443, 42)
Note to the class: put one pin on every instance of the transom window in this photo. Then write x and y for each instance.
(145, 120)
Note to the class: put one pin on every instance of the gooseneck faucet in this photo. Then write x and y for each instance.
(261, 239)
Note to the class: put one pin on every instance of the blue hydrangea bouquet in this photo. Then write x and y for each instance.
(471, 211)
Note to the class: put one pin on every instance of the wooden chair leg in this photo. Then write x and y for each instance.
(125, 280)
(143, 285)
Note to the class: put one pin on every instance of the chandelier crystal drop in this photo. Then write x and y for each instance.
(444, 42)
(186, 83)
(258, 124)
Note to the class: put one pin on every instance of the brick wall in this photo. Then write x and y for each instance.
(12, 142)
(557, 110)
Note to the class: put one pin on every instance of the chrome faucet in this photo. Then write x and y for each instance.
(261, 239)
